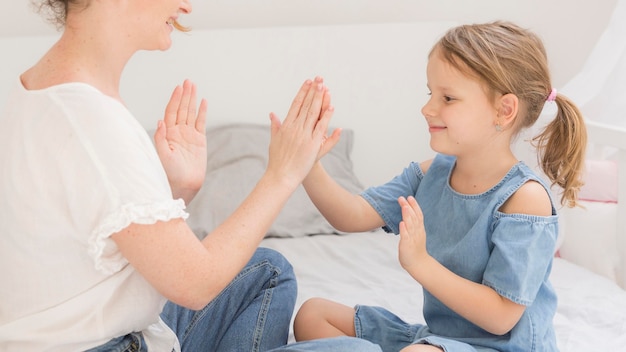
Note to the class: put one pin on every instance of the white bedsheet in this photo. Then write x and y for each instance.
(363, 268)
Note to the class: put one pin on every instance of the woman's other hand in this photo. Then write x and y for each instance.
(180, 141)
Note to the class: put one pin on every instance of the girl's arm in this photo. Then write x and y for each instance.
(343, 210)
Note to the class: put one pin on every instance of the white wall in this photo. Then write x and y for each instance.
(376, 72)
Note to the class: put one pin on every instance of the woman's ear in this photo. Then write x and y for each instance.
(508, 106)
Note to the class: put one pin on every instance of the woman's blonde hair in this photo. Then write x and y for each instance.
(510, 59)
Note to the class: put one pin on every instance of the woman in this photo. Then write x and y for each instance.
(94, 235)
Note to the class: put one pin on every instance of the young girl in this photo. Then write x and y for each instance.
(477, 227)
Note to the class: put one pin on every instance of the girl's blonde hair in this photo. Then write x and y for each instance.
(510, 59)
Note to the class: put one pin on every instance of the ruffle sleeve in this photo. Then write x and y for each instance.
(102, 248)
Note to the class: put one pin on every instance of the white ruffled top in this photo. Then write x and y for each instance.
(76, 167)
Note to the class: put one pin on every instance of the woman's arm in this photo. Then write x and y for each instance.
(191, 273)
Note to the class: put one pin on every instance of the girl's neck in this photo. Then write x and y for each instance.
(477, 175)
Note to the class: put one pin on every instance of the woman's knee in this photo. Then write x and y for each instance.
(275, 258)
(282, 277)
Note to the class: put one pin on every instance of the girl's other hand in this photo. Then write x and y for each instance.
(412, 247)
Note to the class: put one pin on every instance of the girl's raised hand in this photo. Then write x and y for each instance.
(180, 141)
(412, 247)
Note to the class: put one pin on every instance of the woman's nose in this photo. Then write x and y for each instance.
(185, 6)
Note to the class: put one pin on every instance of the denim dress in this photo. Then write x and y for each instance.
(511, 253)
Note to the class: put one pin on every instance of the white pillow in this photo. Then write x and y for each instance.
(600, 181)
(591, 237)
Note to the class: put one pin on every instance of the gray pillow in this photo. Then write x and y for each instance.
(237, 157)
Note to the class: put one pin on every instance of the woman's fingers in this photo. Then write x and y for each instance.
(171, 109)
(298, 101)
(181, 109)
(187, 107)
(307, 105)
(311, 107)
(201, 120)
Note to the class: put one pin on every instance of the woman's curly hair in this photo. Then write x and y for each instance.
(56, 11)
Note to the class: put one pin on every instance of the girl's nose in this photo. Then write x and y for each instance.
(427, 110)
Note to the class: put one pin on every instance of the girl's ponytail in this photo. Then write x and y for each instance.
(561, 149)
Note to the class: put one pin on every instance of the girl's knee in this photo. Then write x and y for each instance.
(421, 348)
(313, 309)
(319, 318)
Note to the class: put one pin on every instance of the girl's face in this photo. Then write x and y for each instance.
(153, 21)
(461, 118)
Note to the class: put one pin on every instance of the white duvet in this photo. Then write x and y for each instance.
(363, 268)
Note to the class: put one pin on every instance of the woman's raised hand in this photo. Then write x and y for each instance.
(301, 139)
(180, 141)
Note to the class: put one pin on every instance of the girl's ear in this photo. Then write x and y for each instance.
(508, 106)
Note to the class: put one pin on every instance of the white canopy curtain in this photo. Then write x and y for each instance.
(600, 88)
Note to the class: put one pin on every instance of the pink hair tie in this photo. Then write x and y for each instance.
(552, 96)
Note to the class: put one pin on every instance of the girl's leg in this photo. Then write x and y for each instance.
(334, 344)
(320, 318)
(251, 314)
(421, 348)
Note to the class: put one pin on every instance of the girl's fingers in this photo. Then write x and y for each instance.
(329, 142)
(321, 120)
(411, 212)
(415, 207)
(408, 215)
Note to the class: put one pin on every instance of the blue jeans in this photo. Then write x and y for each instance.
(252, 314)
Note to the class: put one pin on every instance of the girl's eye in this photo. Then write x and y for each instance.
(448, 98)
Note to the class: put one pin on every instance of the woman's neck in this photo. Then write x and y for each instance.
(87, 54)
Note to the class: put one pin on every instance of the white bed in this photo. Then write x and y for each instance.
(363, 268)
